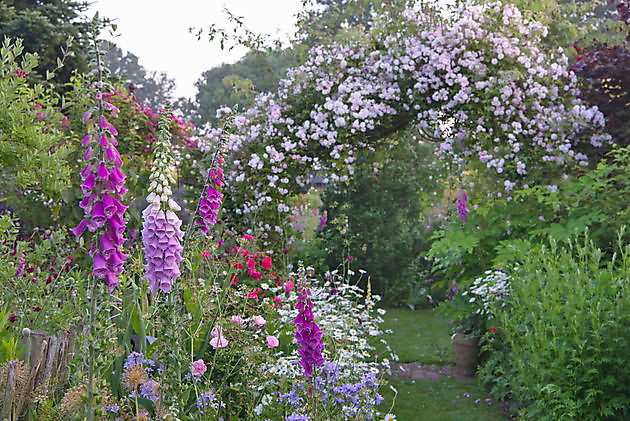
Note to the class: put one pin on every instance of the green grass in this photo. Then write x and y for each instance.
(419, 336)
(423, 337)
(440, 400)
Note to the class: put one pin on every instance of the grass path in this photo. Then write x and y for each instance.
(422, 337)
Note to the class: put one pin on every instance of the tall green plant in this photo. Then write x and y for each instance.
(564, 335)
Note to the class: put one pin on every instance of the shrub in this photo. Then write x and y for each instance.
(561, 343)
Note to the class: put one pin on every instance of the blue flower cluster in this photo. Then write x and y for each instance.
(354, 399)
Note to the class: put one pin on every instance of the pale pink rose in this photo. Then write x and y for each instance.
(238, 320)
(197, 368)
(259, 320)
(272, 341)
(218, 342)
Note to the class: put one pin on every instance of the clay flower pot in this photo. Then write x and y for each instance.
(466, 354)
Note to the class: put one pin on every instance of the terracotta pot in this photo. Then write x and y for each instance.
(466, 354)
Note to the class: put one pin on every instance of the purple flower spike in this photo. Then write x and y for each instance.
(210, 203)
(308, 335)
(103, 186)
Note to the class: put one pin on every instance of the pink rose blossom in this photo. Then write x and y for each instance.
(272, 341)
(197, 368)
(259, 320)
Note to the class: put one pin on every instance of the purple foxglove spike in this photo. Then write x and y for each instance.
(86, 116)
(113, 140)
(102, 172)
(86, 140)
(103, 141)
(79, 229)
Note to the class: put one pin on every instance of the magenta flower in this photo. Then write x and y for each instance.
(462, 206)
(211, 201)
(103, 188)
(308, 334)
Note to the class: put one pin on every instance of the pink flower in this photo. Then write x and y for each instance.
(238, 320)
(288, 287)
(272, 341)
(219, 342)
(277, 299)
(266, 263)
(217, 331)
(197, 368)
(248, 237)
(205, 254)
(259, 320)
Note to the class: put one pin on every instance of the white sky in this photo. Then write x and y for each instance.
(157, 32)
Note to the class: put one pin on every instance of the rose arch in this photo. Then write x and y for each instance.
(481, 88)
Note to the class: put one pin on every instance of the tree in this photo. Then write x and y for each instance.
(45, 26)
(237, 84)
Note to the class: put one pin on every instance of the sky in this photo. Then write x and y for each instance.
(157, 31)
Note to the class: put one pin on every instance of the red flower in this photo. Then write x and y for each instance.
(493, 330)
(266, 263)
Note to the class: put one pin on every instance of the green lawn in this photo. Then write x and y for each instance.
(422, 337)
(419, 336)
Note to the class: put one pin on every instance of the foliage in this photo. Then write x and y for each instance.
(236, 84)
(45, 27)
(581, 370)
(33, 146)
(377, 218)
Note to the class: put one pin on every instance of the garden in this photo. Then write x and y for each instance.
(410, 211)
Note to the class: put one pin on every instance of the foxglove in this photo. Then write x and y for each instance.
(211, 201)
(308, 334)
(161, 227)
(103, 186)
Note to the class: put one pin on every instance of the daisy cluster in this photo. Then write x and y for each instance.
(488, 290)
